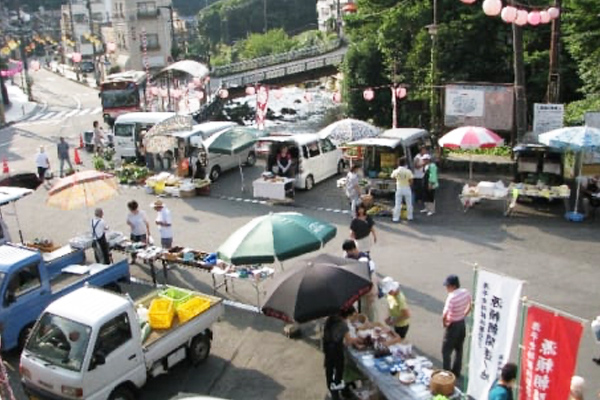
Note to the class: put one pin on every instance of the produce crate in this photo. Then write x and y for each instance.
(195, 306)
(161, 313)
(176, 295)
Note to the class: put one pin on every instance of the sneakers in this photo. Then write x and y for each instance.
(424, 210)
(430, 213)
(339, 386)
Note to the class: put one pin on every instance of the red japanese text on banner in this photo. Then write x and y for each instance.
(550, 344)
(494, 322)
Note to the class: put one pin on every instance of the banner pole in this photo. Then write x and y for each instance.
(470, 331)
(524, 309)
(557, 311)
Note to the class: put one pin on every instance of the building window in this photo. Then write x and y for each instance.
(80, 18)
(152, 41)
(146, 9)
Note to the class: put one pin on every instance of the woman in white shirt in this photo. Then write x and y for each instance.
(138, 222)
(42, 163)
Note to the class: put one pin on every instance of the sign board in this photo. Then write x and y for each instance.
(592, 118)
(547, 117)
(479, 105)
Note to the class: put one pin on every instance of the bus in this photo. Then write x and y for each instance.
(122, 93)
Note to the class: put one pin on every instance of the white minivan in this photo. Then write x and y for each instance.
(314, 159)
(127, 131)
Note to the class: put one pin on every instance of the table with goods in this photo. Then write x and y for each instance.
(489, 191)
(374, 208)
(392, 366)
(168, 184)
(272, 187)
(168, 308)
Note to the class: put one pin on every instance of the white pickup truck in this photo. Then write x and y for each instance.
(88, 345)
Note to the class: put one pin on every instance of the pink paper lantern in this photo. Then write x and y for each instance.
(368, 94)
(250, 91)
(400, 92)
(468, 1)
(509, 14)
(278, 93)
(223, 93)
(308, 97)
(544, 17)
(337, 97)
(176, 93)
(111, 47)
(76, 57)
(163, 92)
(35, 65)
(553, 12)
(492, 7)
(197, 81)
(191, 85)
(521, 18)
(534, 18)
(200, 95)
(154, 91)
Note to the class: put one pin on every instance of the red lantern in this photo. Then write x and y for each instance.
(553, 12)
(223, 93)
(308, 97)
(509, 14)
(111, 47)
(368, 94)
(400, 92)
(250, 90)
(534, 18)
(337, 97)
(544, 17)
(76, 57)
(278, 93)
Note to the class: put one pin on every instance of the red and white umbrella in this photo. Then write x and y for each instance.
(470, 137)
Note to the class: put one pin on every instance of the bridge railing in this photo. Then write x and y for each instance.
(275, 59)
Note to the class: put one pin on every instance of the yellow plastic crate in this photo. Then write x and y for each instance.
(161, 313)
(178, 296)
(191, 308)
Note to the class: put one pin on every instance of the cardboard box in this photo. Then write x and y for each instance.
(187, 193)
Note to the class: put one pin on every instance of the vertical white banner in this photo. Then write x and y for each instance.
(494, 322)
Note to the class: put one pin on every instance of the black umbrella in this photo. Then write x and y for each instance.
(316, 288)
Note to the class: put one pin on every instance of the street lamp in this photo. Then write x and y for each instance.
(433, 105)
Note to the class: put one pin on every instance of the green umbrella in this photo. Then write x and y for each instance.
(233, 141)
(275, 237)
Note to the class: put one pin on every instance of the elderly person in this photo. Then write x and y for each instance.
(63, 155)
(353, 188)
(100, 243)
(138, 222)
(164, 223)
(367, 302)
(98, 137)
(577, 388)
(42, 163)
(456, 309)
(398, 312)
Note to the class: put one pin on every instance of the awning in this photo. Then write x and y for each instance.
(9, 194)
(378, 142)
(193, 68)
(160, 137)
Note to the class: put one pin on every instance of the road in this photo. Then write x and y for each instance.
(251, 359)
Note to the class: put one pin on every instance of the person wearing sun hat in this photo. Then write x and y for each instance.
(399, 314)
(165, 224)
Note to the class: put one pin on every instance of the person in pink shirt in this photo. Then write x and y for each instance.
(456, 309)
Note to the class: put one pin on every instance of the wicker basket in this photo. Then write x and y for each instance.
(442, 382)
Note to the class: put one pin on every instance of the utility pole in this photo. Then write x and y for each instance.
(2, 117)
(433, 104)
(265, 16)
(519, 83)
(91, 21)
(72, 27)
(553, 91)
(27, 83)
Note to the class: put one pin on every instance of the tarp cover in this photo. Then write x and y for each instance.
(194, 68)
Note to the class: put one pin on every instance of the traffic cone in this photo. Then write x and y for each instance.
(76, 158)
(5, 169)
(81, 144)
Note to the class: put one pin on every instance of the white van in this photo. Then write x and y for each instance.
(314, 159)
(127, 130)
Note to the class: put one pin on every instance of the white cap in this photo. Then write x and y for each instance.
(388, 284)
(577, 385)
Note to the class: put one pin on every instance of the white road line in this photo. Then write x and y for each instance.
(71, 113)
(96, 110)
(36, 116)
(60, 114)
(84, 111)
(48, 115)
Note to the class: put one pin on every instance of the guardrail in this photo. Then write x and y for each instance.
(275, 59)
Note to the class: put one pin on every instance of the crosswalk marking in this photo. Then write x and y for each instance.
(96, 110)
(71, 113)
(48, 115)
(84, 111)
(37, 116)
(60, 114)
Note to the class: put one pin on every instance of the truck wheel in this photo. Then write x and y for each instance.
(251, 159)
(340, 167)
(310, 182)
(215, 173)
(199, 349)
(24, 335)
(122, 393)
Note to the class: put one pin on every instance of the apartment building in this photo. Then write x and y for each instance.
(327, 13)
(80, 23)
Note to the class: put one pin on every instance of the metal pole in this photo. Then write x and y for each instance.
(2, 116)
(72, 26)
(519, 84)
(265, 15)
(521, 331)
(27, 83)
(433, 108)
(89, 7)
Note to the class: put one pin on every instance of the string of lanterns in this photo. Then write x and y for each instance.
(517, 15)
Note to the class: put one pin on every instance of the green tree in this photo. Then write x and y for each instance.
(273, 42)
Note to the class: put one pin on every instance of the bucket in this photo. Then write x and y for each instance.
(442, 382)
(574, 216)
(159, 188)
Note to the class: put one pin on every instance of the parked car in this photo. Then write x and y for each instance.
(314, 159)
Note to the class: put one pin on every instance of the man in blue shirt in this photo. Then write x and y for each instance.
(502, 388)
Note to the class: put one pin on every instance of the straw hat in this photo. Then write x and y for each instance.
(157, 204)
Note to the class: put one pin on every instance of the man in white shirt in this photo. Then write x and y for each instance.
(42, 163)
(98, 137)
(353, 189)
(404, 179)
(100, 244)
(165, 224)
(418, 175)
